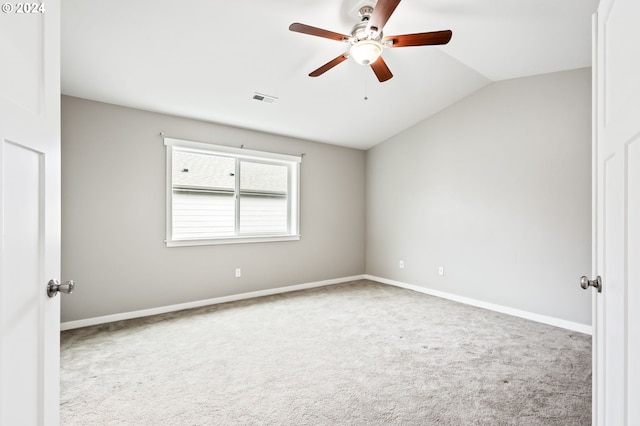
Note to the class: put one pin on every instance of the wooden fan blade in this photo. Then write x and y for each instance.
(319, 32)
(381, 70)
(381, 14)
(326, 67)
(420, 39)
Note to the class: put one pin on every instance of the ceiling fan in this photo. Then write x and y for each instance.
(367, 40)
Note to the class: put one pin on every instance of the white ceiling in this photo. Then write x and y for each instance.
(204, 59)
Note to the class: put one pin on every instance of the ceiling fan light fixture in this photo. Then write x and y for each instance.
(366, 52)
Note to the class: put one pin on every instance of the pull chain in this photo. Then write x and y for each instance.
(366, 98)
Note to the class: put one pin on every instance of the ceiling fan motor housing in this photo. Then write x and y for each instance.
(361, 30)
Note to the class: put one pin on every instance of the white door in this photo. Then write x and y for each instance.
(29, 212)
(617, 215)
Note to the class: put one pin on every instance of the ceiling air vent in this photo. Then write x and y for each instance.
(264, 98)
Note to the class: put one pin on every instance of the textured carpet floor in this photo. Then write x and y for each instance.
(358, 353)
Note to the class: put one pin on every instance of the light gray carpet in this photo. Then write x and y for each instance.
(358, 353)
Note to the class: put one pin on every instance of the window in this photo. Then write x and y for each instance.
(220, 195)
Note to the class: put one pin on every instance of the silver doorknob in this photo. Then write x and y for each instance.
(54, 287)
(586, 282)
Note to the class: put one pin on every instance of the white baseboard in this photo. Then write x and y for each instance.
(557, 322)
(199, 303)
(569, 325)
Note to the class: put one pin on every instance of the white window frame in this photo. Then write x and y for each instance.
(291, 161)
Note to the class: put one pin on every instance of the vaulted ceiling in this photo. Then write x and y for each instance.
(205, 59)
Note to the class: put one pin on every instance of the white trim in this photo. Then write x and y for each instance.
(569, 325)
(231, 240)
(292, 163)
(597, 385)
(238, 152)
(199, 303)
(557, 322)
(168, 209)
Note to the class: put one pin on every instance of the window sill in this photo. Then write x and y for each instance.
(231, 240)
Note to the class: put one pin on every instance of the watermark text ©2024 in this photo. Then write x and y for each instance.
(23, 8)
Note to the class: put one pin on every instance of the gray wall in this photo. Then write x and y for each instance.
(114, 215)
(497, 190)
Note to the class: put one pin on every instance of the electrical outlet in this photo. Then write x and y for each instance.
(440, 270)
(401, 264)
(238, 272)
